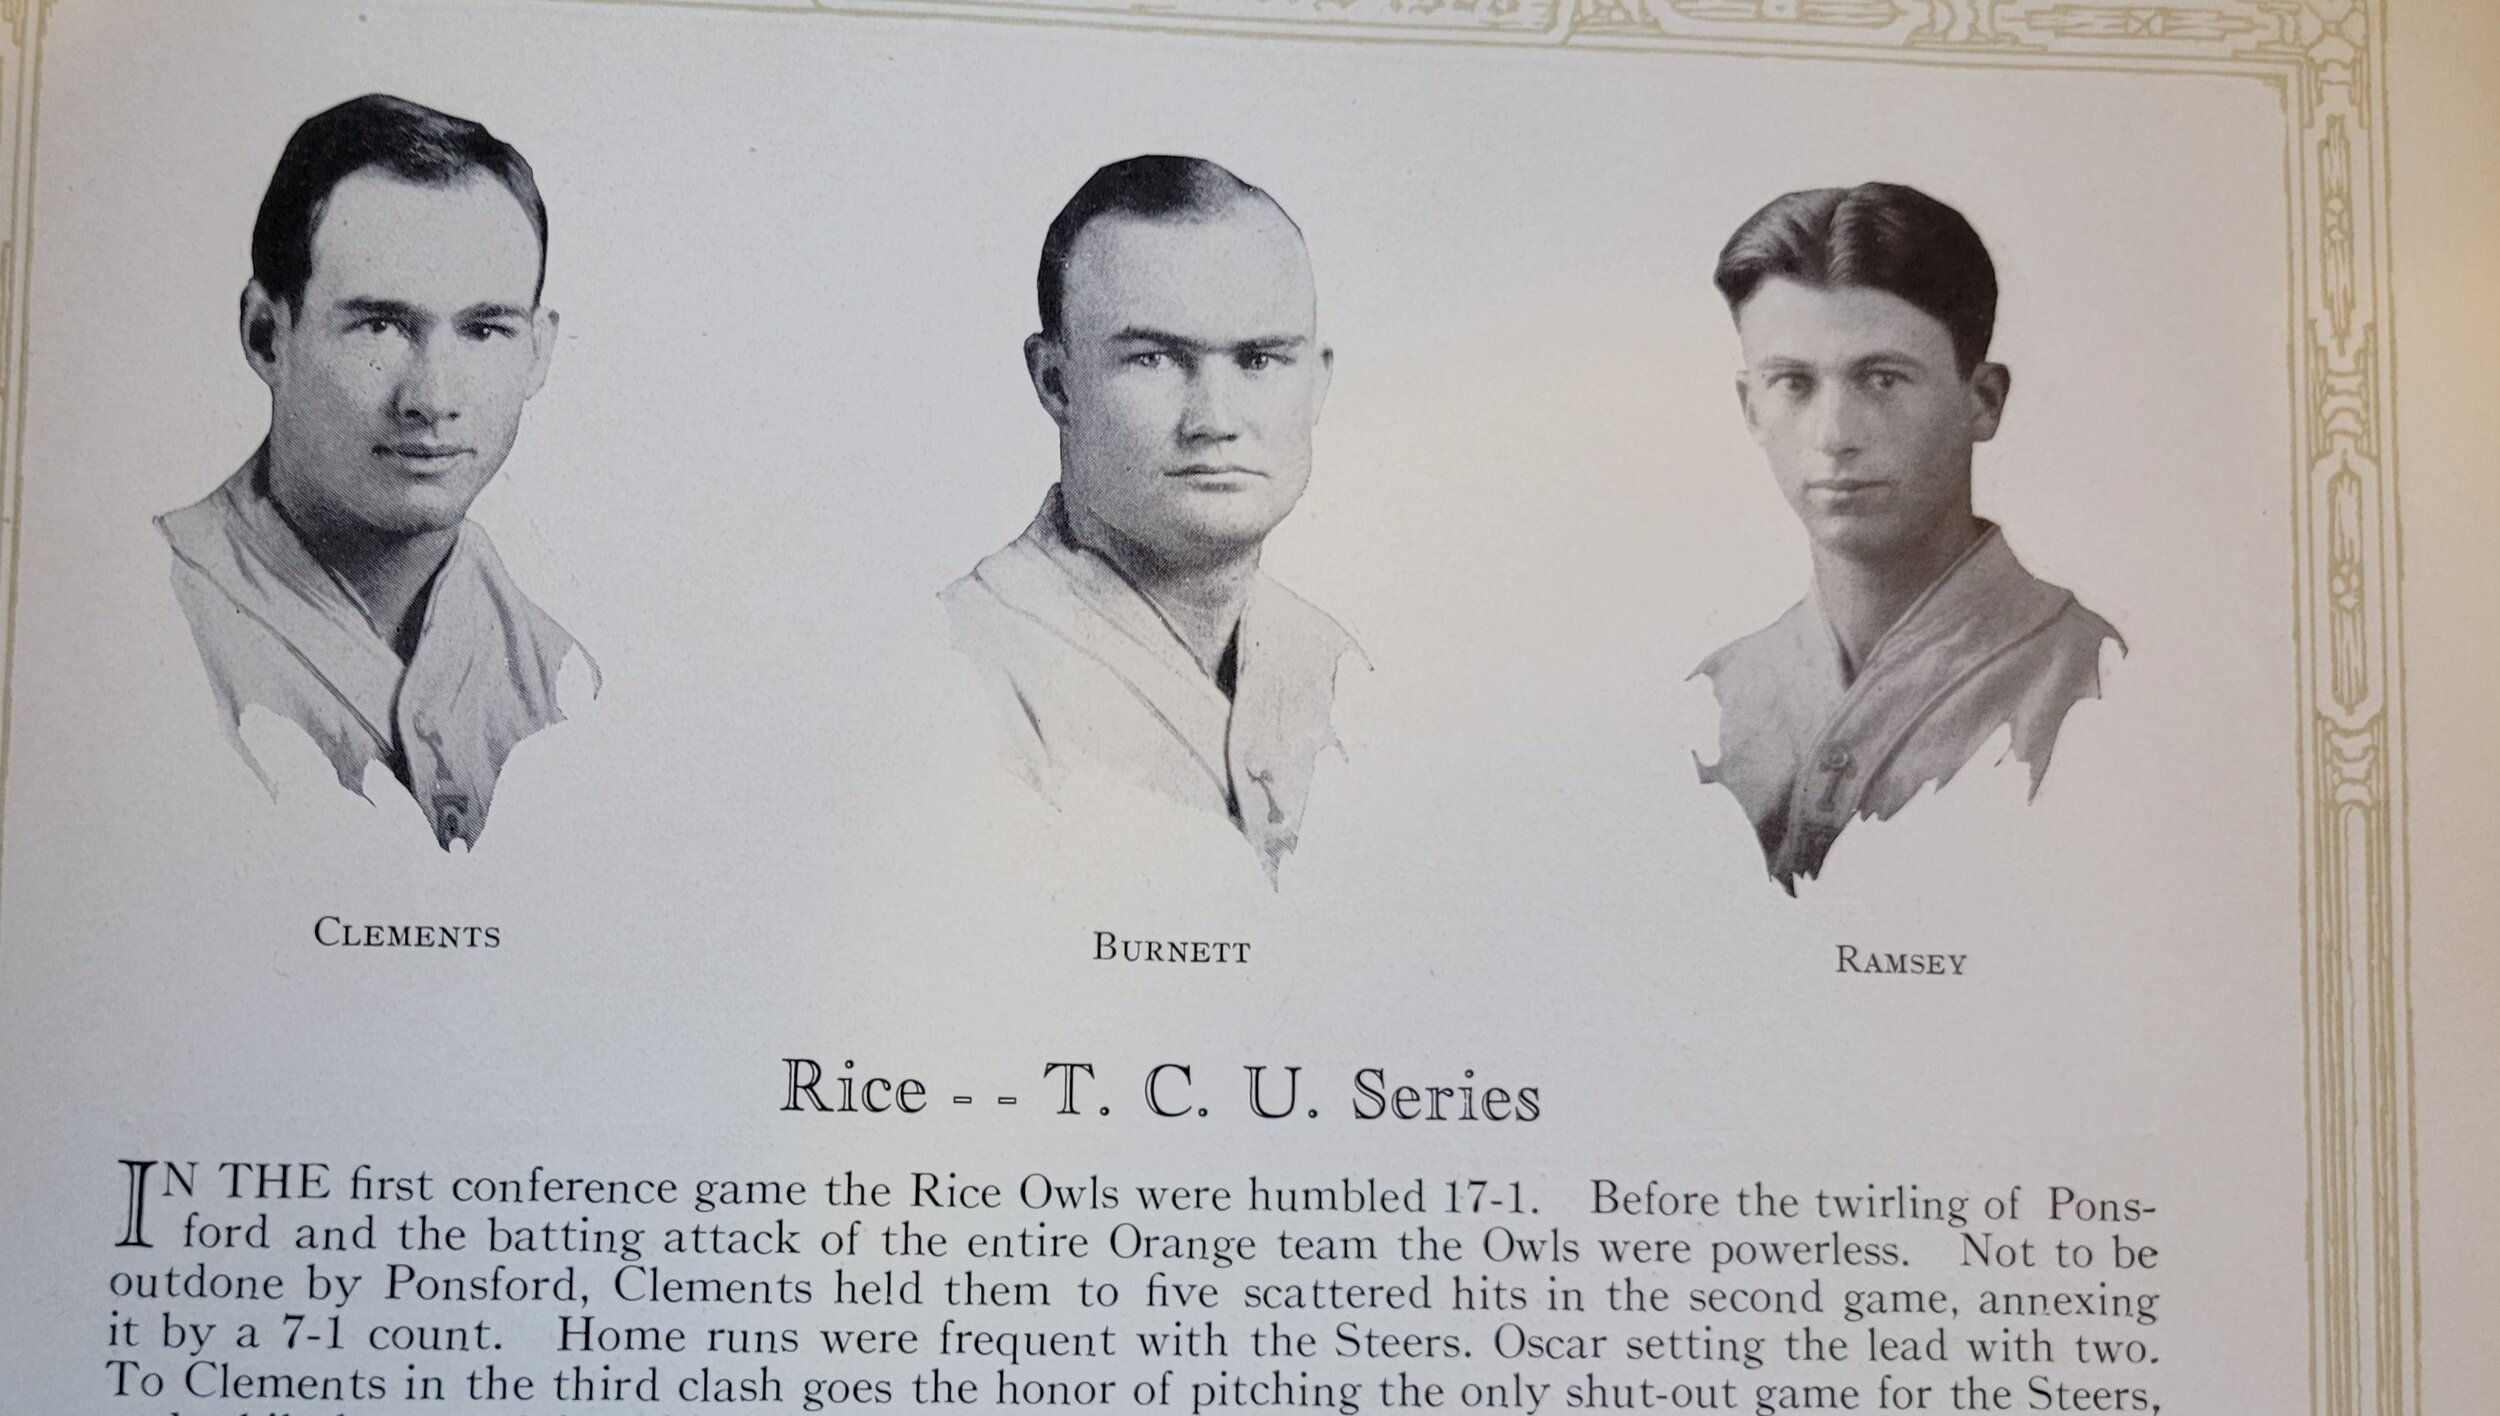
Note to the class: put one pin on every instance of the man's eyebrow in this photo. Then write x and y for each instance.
(1888, 356)
(1141, 334)
(367, 306)
(376, 305)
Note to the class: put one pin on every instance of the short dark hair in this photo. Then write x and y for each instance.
(1155, 187)
(1878, 235)
(407, 140)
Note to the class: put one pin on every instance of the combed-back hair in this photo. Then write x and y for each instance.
(1878, 235)
(1155, 187)
(407, 140)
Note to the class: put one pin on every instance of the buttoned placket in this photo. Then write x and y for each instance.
(450, 805)
(1236, 771)
(1828, 791)
(1820, 800)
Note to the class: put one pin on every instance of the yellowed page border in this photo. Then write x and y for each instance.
(2325, 60)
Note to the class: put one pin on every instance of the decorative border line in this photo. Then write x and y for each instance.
(2327, 59)
(21, 87)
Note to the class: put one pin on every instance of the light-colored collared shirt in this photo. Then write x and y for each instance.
(278, 628)
(1091, 675)
(1807, 748)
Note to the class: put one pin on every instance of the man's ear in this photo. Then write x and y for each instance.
(1990, 385)
(1744, 404)
(260, 319)
(542, 348)
(1046, 363)
(1319, 387)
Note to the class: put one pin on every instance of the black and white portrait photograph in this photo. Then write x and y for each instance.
(1130, 628)
(334, 578)
(1865, 314)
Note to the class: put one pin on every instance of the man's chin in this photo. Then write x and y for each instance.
(423, 512)
(1181, 532)
(1869, 539)
(1228, 534)
(1196, 545)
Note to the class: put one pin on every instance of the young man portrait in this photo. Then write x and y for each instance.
(1865, 316)
(335, 579)
(1130, 630)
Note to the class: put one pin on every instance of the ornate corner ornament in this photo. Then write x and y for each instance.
(2326, 60)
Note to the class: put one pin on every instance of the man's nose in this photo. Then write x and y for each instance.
(1211, 407)
(1839, 422)
(429, 383)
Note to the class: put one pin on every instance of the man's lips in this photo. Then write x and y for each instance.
(1205, 470)
(421, 454)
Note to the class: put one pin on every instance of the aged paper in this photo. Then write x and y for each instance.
(774, 1042)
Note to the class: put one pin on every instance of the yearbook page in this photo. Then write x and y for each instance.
(1337, 705)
